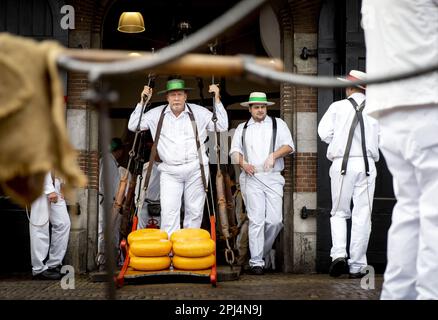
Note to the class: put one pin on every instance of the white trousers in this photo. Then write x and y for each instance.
(152, 193)
(41, 243)
(409, 142)
(176, 182)
(357, 186)
(116, 218)
(264, 207)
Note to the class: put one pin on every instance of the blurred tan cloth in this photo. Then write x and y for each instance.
(33, 134)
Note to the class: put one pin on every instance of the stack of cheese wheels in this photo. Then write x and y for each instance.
(193, 249)
(149, 250)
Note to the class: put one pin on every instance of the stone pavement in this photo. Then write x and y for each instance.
(272, 286)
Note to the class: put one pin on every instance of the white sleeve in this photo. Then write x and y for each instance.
(284, 135)
(48, 184)
(236, 141)
(133, 119)
(326, 127)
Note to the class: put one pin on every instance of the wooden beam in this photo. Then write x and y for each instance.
(189, 64)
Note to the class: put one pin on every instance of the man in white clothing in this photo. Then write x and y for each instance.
(49, 208)
(353, 148)
(402, 35)
(115, 173)
(149, 201)
(180, 169)
(259, 146)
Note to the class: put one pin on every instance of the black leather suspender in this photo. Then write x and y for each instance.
(274, 136)
(198, 147)
(154, 152)
(357, 119)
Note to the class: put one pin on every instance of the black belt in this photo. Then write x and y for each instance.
(358, 118)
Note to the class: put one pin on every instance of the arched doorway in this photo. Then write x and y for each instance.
(161, 22)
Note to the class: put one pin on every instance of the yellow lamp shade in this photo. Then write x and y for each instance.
(131, 22)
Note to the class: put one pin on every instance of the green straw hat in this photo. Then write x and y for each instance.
(257, 98)
(116, 143)
(175, 84)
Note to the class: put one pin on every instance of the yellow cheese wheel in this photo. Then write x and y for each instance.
(185, 263)
(194, 249)
(190, 234)
(149, 263)
(151, 248)
(144, 234)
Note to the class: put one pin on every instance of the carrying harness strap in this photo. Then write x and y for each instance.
(154, 152)
(198, 147)
(274, 136)
(357, 119)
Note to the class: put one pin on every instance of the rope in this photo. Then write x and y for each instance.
(327, 82)
(229, 254)
(257, 179)
(211, 196)
(37, 225)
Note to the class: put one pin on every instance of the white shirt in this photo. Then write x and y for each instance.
(49, 187)
(177, 144)
(258, 140)
(114, 173)
(335, 126)
(400, 35)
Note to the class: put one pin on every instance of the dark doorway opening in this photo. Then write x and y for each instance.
(162, 20)
(341, 48)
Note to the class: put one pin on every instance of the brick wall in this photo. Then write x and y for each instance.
(89, 164)
(305, 15)
(99, 12)
(306, 171)
(76, 85)
(306, 99)
(84, 10)
(305, 18)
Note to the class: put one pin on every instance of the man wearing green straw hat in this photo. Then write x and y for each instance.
(181, 171)
(259, 146)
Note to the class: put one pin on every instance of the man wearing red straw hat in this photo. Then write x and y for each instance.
(352, 137)
(258, 146)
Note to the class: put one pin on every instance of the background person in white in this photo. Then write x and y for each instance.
(152, 193)
(402, 35)
(49, 207)
(116, 172)
(334, 129)
(261, 181)
(180, 171)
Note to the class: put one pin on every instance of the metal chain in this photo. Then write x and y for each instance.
(229, 254)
